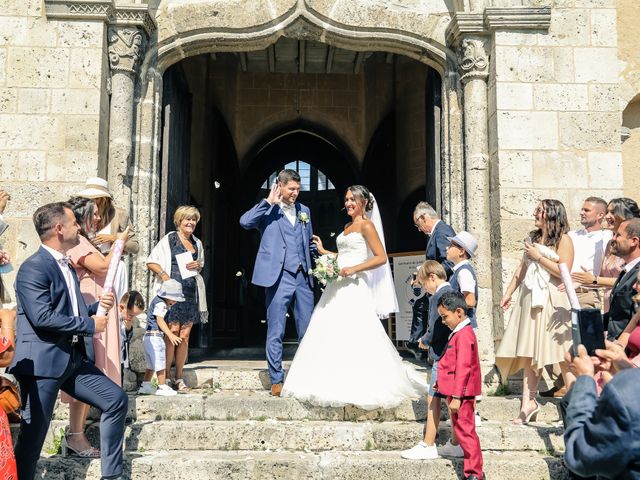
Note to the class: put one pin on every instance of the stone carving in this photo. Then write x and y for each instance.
(473, 59)
(90, 9)
(125, 49)
(135, 17)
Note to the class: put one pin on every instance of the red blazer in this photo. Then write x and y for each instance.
(459, 368)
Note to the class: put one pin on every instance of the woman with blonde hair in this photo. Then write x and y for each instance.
(165, 261)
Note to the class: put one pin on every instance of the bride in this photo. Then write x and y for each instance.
(346, 356)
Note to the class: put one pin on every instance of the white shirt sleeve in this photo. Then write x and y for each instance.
(160, 310)
(466, 281)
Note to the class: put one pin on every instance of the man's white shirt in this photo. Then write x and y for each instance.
(588, 250)
(68, 278)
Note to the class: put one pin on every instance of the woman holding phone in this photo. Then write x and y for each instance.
(539, 329)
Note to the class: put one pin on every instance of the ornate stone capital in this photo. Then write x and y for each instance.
(126, 48)
(134, 15)
(473, 60)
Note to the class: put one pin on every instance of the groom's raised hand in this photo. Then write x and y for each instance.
(275, 195)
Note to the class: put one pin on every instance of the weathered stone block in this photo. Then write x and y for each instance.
(564, 65)
(8, 100)
(527, 130)
(514, 96)
(597, 64)
(559, 169)
(35, 67)
(85, 68)
(603, 28)
(3, 66)
(590, 130)
(81, 132)
(23, 8)
(605, 170)
(76, 101)
(516, 168)
(71, 164)
(524, 64)
(88, 34)
(560, 97)
(604, 97)
(33, 100)
(515, 38)
(30, 166)
(31, 132)
(569, 27)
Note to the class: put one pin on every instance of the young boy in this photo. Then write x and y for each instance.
(461, 249)
(154, 348)
(459, 379)
(130, 306)
(433, 278)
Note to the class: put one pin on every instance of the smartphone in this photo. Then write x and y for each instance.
(587, 329)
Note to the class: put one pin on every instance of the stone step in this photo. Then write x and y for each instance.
(253, 374)
(336, 465)
(247, 405)
(316, 436)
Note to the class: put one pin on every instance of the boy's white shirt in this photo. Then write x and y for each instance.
(465, 278)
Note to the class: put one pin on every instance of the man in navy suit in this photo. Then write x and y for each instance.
(54, 349)
(626, 245)
(428, 222)
(601, 434)
(282, 264)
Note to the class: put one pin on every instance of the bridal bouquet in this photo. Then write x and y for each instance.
(326, 269)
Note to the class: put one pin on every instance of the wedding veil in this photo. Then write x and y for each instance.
(379, 279)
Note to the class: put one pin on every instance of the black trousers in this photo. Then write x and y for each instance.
(83, 381)
(419, 319)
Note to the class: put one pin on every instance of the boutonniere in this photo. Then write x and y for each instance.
(303, 217)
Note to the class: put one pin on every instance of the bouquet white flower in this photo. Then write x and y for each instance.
(327, 269)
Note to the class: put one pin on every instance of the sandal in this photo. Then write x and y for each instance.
(68, 450)
(180, 386)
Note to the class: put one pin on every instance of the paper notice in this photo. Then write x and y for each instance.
(183, 259)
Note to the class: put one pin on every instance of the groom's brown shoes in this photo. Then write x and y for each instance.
(276, 388)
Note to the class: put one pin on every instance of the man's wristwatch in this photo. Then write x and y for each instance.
(595, 280)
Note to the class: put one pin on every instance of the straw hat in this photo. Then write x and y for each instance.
(95, 187)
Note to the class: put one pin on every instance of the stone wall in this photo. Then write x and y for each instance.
(554, 118)
(628, 13)
(53, 113)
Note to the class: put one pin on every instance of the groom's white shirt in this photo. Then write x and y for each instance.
(290, 212)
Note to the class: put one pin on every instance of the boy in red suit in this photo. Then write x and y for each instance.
(459, 379)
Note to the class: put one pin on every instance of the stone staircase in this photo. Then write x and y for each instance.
(229, 426)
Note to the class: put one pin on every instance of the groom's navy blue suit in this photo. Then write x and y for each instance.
(282, 267)
(48, 358)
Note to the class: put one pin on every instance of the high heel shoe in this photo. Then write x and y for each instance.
(68, 450)
(524, 419)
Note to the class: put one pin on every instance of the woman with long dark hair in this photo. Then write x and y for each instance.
(539, 329)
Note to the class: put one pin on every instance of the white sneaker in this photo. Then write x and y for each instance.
(146, 388)
(421, 451)
(165, 391)
(478, 419)
(450, 450)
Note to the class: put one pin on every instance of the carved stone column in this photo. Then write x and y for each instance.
(474, 72)
(126, 48)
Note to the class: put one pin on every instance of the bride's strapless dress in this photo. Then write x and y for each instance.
(346, 356)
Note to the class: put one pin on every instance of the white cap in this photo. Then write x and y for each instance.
(95, 187)
(171, 290)
(466, 241)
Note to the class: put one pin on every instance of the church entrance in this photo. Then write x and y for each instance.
(232, 120)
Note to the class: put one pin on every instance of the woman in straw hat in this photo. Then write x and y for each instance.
(112, 219)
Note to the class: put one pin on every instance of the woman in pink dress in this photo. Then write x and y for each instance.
(91, 266)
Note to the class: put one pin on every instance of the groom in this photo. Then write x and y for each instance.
(282, 264)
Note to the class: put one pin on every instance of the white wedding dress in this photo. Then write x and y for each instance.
(346, 356)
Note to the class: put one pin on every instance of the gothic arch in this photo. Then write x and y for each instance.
(190, 29)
